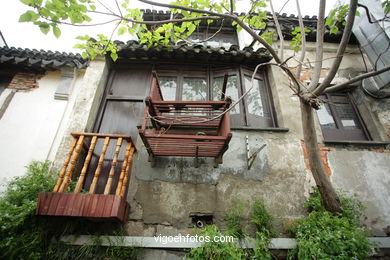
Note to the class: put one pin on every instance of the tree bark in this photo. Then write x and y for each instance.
(329, 196)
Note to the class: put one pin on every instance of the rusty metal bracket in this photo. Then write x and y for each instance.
(251, 158)
(196, 160)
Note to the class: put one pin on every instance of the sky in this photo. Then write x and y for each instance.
(26, 35)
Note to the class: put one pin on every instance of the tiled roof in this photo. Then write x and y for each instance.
(39, 60)
(287, 22)
(199, 52)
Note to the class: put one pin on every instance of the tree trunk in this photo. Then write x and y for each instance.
(329, 196)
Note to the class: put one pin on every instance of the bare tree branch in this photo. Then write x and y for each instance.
(283, 6)
(108, 9)
(83, 25)
(319, 46)
(185, 8)
(355, 79)
(208, 38)
(258, 38)
(343, 45)
(117, 5)
(278, 29)
(303, 35)
(179, 20)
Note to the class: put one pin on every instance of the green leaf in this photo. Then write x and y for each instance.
(191, 28)
(122, 30)
(114, 56)
(44, 28)
(84, 55)
(26, 17)
(27, 2)
(56, 31)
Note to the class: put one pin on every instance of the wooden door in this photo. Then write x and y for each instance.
(121, 111)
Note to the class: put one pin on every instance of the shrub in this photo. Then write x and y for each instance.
(26, 236)
(262, 220)
(213, 250)
(352, 208)
(322, 235)
(21, 236)
(233, 220)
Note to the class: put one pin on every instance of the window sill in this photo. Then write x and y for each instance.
(365, 143)
(271, 129)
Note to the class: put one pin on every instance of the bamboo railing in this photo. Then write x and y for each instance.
(73, 159)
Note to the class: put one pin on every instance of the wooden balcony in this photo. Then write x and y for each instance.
(185, 128)
(93, 180)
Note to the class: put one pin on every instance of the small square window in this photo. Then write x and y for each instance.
(340, 120)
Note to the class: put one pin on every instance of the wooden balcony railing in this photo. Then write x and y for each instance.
(99, 176)
(185, 128)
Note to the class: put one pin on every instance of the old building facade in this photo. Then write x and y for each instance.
(266, 157)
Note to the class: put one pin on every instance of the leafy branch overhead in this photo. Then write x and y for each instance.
(186, 17)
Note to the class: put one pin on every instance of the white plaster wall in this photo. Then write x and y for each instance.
(365, 174)
(28, 126)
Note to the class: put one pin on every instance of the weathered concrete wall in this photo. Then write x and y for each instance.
(163, 197)
(161, 190)
(366, 174)
(84, 102)
(29, 124)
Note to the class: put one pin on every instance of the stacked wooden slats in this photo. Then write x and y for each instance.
(185, 128)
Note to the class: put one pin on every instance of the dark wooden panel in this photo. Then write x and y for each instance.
(71, 201)
(53, 203)
(131, 82)
(108, 206)
(62, 205)
(77, 207)
(95, 206)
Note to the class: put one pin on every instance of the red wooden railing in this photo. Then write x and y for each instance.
(185, 128)
(103, 195)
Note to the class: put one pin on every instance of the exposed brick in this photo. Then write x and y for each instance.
(24, 81)
(380, 150)
(323, 154)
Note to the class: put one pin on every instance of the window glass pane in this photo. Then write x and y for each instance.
(347, 116)
(168, 87)
(325, 117)
(231, 90)
(194, 89)
(256, 99)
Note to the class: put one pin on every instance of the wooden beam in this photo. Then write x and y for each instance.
(113, 166)
(63, 170)
(92, 188)
(80, 181)
(68, 176)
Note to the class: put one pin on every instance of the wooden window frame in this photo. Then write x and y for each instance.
(264, 122)
(243, 119)
(340, 133)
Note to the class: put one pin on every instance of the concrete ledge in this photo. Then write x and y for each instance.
(366, 143)
(271, 129)
(153, 242)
